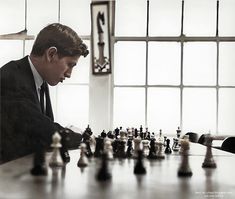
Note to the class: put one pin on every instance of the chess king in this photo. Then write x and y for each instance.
(27, 121)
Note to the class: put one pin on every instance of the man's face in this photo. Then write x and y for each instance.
(60, 68)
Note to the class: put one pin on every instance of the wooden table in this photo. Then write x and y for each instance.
(160, 181)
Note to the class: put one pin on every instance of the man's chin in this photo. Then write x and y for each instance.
(53, 83)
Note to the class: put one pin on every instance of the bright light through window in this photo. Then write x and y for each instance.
(129, 107)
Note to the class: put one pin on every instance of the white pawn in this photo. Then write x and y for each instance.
(184, 169)
(108, 149)
(160, 137)
(209, 160)
(137, 148)
(184, 139)
(122, 135)
(160, 154)
(145, 147)
(56, 160)
(83, 161)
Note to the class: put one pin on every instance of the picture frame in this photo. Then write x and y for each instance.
(100, 38)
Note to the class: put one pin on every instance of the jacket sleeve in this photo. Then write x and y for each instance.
(25, 129)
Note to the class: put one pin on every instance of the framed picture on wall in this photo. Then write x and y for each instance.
(100, 38)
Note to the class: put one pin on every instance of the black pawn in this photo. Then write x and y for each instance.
(103, 134)
(103, 174)
(152, 150)
(120, 153)
(129, 151)
(39, 165)
(99, 148)
(168, 148)
(116, 133)
(88, 149)
(139, 167)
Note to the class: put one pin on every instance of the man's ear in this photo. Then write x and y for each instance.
(50, 53)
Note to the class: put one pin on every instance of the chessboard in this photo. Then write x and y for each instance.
(143, 167)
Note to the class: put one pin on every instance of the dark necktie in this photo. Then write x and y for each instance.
(42, 93)
(46, 107)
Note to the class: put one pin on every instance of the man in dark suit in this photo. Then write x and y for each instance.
(27, 122)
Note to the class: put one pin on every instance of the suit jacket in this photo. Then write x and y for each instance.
(24, 128)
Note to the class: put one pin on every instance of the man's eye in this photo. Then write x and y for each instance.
(71, 65)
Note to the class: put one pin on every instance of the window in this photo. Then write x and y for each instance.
(70, 100)
(175, 67)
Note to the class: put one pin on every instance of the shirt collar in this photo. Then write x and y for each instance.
(37, 77)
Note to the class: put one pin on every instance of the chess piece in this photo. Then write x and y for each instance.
(63, 150)
(184, 169)
(152, 136)
(184, 139)
(103, 173)
(165, 138)
(152, 150)
(99, 147)
(110, 135)
(129, 133)
(139, 167)
(209, 160)
(136, 132)
(103, 134)
(108, 149)
(39, 165)
(145, 133)
(160, 154)
(168, 148)
(160, 138)
(141, 132)
(88, 149)
(83, 161)
(56, 159)
(137, 142)
(175, 146)
(116, 133)
(120, 153)
(129, 151)
(87, 134)
(178, 132)
(145, 148)
(122, 135)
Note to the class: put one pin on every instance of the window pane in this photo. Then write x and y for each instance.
(130, 19)
(28, 46)
(40, 14)
(226, 64)
(226, 111)
(199, 110)
(129, 107)
(199, 63)
(163, 109)
(80, 72)
(129, 61)
(200, 17)
(226, 18)
(165, 17)
(10, 50)
(72, 105)
(12, 15)
(76, 14)
(164, 63)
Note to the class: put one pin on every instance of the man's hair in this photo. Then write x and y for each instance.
(66, 40)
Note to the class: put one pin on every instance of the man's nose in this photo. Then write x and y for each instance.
(68, 73)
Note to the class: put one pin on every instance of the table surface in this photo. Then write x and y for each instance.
(160, 181)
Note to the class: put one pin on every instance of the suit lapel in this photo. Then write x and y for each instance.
(29, 79)
(49, 111)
